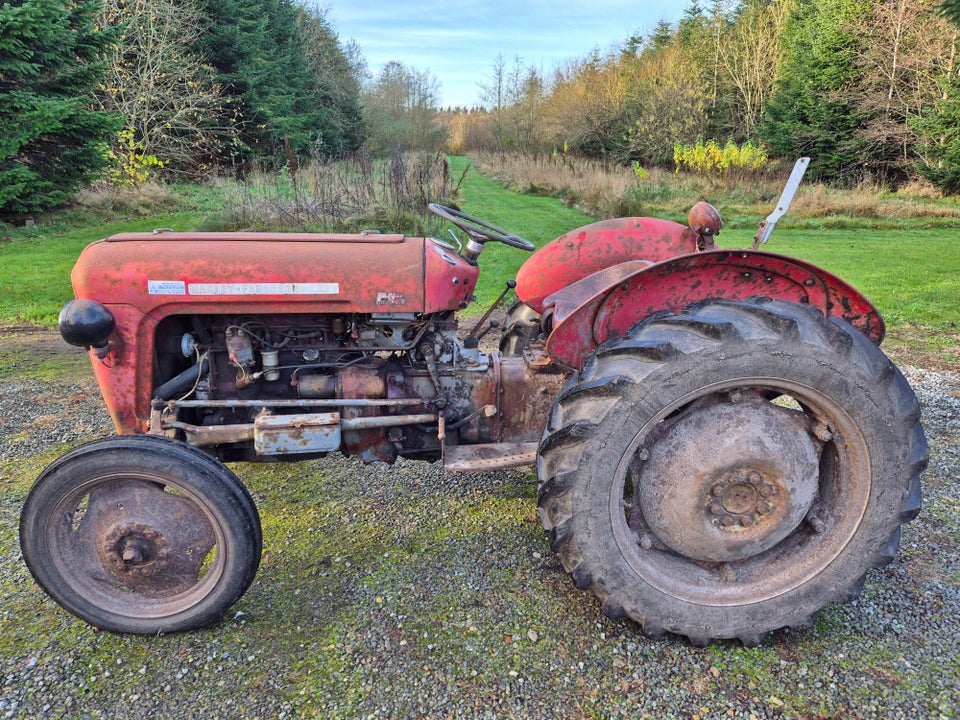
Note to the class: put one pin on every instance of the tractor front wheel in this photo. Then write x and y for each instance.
(141, 534)
(730, 470)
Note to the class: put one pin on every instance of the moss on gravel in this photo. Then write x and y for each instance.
(410, 592)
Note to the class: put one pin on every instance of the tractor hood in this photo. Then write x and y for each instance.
(164, 273)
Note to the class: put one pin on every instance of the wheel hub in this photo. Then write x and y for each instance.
(134, 549)
(741, 497)
(729, 480)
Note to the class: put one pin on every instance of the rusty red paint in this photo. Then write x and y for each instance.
(582, 252)
(674, 284)
(526, 398)
(367, 383)
(703, 217)
(173, 273)
(144, 277)
(125, 378)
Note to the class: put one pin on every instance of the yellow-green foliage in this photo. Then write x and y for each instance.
(708, 158)
(128, 164)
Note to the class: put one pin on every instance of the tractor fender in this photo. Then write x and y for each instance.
(594, 247)
(607, 303)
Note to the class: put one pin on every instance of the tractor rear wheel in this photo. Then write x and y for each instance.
(730, 470)
(141, 534)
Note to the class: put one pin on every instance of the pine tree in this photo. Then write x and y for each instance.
(259, 53)
(951, 9)
(938, 128)
(809, 112)
(53, 138)
(941, 131)
(337, 79)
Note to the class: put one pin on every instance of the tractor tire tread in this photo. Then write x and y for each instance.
(594, 394)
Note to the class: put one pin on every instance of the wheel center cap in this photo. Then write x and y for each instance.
(742, 498)
(739, 499)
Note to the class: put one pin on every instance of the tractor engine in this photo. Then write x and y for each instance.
(267, 346)
(265, 385)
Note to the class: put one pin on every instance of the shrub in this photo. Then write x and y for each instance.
(128, 163)
(708, 158)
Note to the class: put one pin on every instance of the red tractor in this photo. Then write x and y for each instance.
(721, 446)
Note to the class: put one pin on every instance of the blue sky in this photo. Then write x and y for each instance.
(458, 41)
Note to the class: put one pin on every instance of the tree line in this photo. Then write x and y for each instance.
(127, 89)
(869, 89)
(182, 87)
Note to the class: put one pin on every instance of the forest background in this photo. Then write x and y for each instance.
(123, 92)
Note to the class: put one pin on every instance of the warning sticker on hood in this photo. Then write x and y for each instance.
(166, 287)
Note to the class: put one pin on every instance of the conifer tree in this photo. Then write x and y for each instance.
(259, 53)
(53, 137)
(809, 113)
(951, 9)
(939, 126)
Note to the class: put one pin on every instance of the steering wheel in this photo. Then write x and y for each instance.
(480, 230)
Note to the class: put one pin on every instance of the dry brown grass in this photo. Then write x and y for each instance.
(592, 181)
(143, 200)
(608, 190)
(605, 189)
(817, 201)
(340, 196)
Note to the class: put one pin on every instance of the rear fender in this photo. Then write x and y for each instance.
(591, 248)
(606, 304)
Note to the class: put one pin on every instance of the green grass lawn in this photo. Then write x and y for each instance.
(911, 275)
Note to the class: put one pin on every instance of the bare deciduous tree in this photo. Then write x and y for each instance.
(748, 53)
(670, 107)
(167, 95)
(400, 107)
(904, 45)
(586, 106)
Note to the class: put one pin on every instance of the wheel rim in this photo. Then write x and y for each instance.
(733, 534)
(136, 545)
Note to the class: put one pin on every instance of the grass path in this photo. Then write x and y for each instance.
(912, 276)
(538, 219)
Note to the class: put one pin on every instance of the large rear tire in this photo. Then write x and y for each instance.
(730, 470)
(141, 534)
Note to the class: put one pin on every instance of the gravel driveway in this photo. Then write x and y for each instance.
(407, 592)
